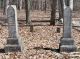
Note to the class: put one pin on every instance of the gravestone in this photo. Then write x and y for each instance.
(13, 39)
(67, 42)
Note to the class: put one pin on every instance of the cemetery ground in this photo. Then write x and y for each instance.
(43, 42)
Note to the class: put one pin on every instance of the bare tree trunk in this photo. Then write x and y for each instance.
(60, 6)
(53, 12)
(4, 6)
(20, 4)
(71, 4)
(27, 9)
(45, 5)
(6, 3)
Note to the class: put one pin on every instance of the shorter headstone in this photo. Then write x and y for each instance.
(13, 44)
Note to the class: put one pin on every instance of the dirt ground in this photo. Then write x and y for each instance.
(42, 42)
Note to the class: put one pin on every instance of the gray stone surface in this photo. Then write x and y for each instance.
(67, 41)
(67, 23)
(12, 48)
(68, 48)
(13, 39)
(11, 22)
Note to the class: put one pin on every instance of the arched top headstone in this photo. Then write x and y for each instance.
(11, 15)
(12, 21)
(12, 42)
(10, 11)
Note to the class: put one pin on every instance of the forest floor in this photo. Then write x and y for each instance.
(42, 43)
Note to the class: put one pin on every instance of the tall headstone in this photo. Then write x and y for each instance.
(67, 42)
(13, 39)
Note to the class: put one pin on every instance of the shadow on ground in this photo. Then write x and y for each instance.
(54, 50)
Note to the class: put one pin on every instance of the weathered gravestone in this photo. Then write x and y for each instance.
(67, 42)
(13, 39)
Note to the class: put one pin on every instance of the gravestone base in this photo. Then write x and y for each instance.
(12, 48)
(12, 45)
(67, 48)
(67, 45)
(12, 41)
